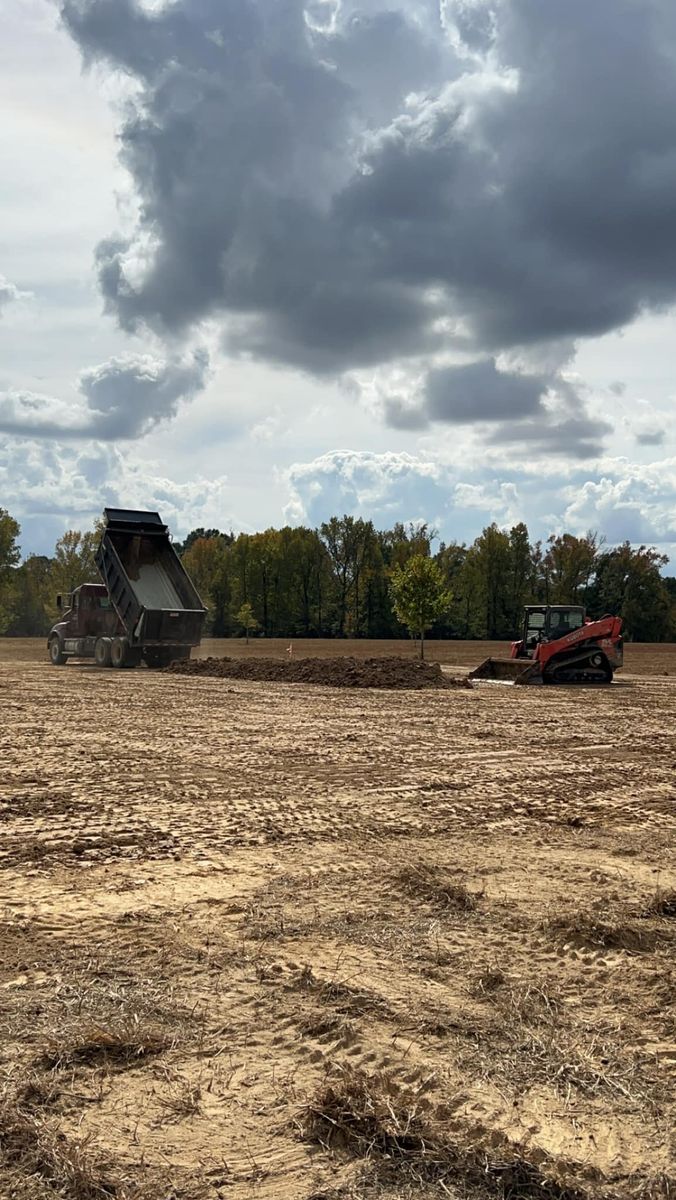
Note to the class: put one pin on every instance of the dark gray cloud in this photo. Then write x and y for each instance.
(543, 412)
(479, 392)
(339, 181)
(651, 437)
(577, 436)
(125, 398)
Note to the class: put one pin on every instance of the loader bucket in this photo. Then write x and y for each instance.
(507, 670)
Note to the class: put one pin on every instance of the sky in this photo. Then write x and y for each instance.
(266, 261)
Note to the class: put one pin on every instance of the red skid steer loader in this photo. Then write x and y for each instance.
(559, 645)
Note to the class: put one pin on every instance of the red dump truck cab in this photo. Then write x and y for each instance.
(87, 614)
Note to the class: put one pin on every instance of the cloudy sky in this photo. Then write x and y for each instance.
(262, 261)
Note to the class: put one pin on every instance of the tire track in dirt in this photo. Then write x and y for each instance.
(241, 853)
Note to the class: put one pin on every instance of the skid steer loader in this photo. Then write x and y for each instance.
(559, 645)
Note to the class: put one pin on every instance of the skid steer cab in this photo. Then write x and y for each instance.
(559, 644)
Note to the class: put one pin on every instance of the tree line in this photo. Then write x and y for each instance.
(335, 581)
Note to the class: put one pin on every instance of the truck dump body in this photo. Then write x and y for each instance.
(147, 583)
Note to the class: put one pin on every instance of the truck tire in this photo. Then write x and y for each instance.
(56, 654)
(158, 659)
(118, 652)
(102, 651)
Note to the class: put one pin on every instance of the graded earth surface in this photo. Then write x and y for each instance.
(281, 940)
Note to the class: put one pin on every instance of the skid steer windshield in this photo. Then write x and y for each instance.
(564, 620)
(548, 624)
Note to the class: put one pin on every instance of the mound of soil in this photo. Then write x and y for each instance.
(398, 673)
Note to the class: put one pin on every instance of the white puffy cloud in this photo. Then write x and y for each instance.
(55, 486)
(125, 398)
(627, 502)
(385, 487)
(10, 293)
(500, 502)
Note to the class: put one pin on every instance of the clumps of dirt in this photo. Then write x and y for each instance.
(402, 674)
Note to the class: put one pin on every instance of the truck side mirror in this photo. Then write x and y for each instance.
(59, 603)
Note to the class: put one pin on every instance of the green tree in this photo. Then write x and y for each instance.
(209, 534)
(420, 596)
(629, 585)
(487, 575)
(351, 543)
(520, 582)
(451, 558)
(9, 557)
(205, 562)
(73, 561)
(569, 565)
(245, 617)
(309, 581)
(33, 600)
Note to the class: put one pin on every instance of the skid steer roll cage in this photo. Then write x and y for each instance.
(557, 620)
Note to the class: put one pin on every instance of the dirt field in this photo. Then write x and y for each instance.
(286, 941)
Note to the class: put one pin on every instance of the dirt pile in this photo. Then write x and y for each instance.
(398, 673)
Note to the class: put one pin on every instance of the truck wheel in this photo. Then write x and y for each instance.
(118, 652)
(157, 660)
(56, 654)
(102, 651)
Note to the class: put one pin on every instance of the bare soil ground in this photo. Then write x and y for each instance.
(271, 940)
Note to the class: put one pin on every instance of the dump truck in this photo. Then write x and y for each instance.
(559, 644)
(146, 608)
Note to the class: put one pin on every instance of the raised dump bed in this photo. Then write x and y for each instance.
(147, 582)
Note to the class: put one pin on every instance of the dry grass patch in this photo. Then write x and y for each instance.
(590, 929)
(39, 1162)
(114, 1048)
(371, 1118)
(185, 1101)
(431, 883)
(486, 983)
(662, 904)
(33, 1152)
